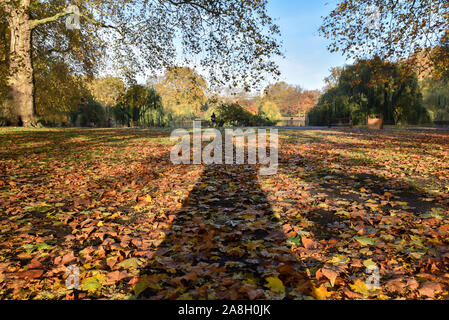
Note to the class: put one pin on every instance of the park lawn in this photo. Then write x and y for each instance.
(111, 203)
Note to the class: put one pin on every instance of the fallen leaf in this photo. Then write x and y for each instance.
(429, 289)
(115, 276)
(30, 274)
(93, 284)
(132, 263)
(307, 243)
(359, 286)
(321, 293)
(366, 241)
(275, 285)
(330, 274)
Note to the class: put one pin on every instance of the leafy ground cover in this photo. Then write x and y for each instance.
(137, 226)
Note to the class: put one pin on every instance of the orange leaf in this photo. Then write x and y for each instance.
(307, 243)
(321, 293)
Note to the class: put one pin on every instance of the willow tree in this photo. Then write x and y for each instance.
(235, 40)
(416, 31)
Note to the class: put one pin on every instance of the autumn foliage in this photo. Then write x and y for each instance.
(111, 203)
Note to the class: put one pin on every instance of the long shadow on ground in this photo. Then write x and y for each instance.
(224, 244)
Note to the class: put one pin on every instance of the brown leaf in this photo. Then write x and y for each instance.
(429, 289)
(286, 269)
(352, 295)
(30, 274)
(396, 285)
(356, 263)
(34, 264)
(191, 276)
(68, 258)
(412, 284)
(307, 243)
(254, 294)
(286, 228)
(3, 267)
(319, 275)
(330, 274)
(115, 276)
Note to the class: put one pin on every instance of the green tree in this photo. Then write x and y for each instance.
(141, 104)
(90, 113)
(436, 98)
(372, 87)
(136, 35)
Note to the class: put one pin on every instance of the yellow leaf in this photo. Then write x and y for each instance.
(360, 287)
(343, 213)
(275, 285)
(94, 283)
(321, 293)
(100, 224)
(369, 262)
(148, 199)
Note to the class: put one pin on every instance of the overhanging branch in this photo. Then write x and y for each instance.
(36, 23)
(56, 17)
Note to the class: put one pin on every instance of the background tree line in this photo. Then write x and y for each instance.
(378, 88)
(401, 49)
(64, 97)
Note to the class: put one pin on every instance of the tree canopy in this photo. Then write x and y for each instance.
(183, 91)
(291, 100)
(141, 104)
(234, 41)
(390, 29)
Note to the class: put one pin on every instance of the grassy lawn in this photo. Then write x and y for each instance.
(112, 203)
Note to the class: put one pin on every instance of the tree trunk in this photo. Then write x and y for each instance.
(20, 99)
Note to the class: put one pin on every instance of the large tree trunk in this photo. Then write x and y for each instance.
(20, 100)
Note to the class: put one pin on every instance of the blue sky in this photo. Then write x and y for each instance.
(307, 60)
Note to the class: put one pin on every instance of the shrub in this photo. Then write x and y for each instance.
(234, 115)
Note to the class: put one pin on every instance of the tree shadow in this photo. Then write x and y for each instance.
(224, 244)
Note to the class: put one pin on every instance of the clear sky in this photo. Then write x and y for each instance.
(307, 60)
